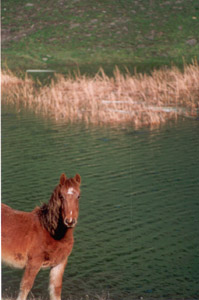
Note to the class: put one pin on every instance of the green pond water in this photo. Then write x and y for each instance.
(138, 229)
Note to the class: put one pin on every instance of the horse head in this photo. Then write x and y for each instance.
(69, 194)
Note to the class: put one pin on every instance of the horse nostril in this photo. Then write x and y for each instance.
(70, 222)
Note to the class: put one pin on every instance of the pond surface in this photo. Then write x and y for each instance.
(138, 229)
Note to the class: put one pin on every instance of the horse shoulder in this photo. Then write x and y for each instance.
(17, 235)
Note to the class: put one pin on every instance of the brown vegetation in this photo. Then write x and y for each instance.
(139, 100)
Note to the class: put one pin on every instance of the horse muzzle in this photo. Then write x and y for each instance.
(70, 222)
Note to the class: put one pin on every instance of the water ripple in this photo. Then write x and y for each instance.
(137, 234)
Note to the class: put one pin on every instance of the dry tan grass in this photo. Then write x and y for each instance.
(139, 100)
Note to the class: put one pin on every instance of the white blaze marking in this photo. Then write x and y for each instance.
(71, 219)
(70, 191)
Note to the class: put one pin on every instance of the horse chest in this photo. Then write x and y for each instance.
(56, 252)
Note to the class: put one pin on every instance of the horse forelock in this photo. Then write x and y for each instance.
(71, 183)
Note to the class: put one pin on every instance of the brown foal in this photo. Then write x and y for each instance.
(43, 237)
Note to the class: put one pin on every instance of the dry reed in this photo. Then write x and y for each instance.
(140, 100)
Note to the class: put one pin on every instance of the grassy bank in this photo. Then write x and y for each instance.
(139, 100)
(66, 35)
(69, 298)
(84, 35)
(84, 297)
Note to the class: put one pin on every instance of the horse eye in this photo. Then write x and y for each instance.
(78, 197)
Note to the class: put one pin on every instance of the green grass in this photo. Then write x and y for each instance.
(66, 35)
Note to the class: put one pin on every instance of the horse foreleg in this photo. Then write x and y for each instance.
(56, 276)
(27, 280)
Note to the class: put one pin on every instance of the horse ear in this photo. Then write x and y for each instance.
(77, 178)
(62, 179)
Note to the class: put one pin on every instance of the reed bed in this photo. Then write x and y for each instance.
(139, 100)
